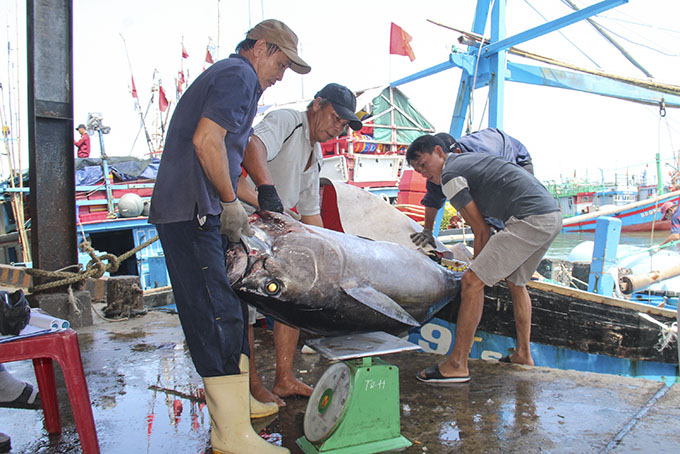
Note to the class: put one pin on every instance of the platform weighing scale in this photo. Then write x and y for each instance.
(354, 408)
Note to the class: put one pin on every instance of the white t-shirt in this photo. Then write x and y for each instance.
(288, 151)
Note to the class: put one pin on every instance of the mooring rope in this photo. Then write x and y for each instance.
(668, 333)
(94, 269)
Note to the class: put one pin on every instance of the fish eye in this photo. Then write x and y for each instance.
(272, 287)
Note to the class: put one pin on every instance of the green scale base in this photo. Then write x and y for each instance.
(354, 410)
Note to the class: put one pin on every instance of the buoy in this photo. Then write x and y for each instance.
(130, 205)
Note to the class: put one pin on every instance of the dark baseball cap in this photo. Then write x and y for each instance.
(81, 126)
(276, 32)
(343, 101)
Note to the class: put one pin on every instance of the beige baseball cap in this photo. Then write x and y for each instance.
(276, 32)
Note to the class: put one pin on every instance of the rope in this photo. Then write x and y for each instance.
(94, 269)
(96, 311)
(668, 333)
(73, 301)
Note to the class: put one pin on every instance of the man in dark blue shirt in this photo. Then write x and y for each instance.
(491, 141)
(195, 209)
(478, 185)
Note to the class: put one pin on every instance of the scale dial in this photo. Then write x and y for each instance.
(327, 403)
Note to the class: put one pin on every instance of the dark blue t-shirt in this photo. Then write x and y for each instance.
(226, 93)
(491, 141)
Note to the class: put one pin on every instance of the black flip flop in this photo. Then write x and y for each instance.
(433, 375)
(5, 443)
(23, 400)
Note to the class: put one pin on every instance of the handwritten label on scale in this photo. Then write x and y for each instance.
(373, 384)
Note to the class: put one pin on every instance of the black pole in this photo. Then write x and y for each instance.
(50, 133)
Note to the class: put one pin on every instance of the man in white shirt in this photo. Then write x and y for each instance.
(291, 141)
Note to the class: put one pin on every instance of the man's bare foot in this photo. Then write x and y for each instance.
(264, 395)
(517, 358)
(291, 387)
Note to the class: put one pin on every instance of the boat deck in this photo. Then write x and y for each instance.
(144, 391)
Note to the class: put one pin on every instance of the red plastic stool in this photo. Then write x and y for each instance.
(61, 346)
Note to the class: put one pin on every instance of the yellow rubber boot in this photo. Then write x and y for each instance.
(257, 409)
(229, 408)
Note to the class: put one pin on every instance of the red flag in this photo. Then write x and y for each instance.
(134, 89)
(162, 100)
(208, 56)
(399, 42)
(185, 54)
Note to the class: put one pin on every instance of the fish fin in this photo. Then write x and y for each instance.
(380, 302)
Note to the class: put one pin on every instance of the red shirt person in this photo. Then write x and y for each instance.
(84, 143)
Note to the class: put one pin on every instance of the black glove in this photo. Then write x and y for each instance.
(423, 238)
(268, 198)
(14, 312)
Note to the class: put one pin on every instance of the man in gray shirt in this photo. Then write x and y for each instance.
(490, 141)
(479, 185)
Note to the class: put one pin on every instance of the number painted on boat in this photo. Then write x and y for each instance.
(435, 339)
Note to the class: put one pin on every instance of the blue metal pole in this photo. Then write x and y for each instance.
(497, 67)
(607, 235)
(424, 73)
(438, 221)
(551, 26)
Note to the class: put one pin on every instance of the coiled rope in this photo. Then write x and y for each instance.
(94, 269)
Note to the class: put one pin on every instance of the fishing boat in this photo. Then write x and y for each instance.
(640, 216)
(112, 195)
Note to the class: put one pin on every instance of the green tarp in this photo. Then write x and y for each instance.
(403, 115)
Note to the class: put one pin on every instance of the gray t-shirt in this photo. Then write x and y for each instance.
(499, 189)
(491, 141)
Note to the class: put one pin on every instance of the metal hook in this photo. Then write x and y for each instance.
(662, 108)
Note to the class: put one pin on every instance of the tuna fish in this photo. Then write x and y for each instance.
(331, 283)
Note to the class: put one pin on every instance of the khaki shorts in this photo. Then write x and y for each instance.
(515, 252)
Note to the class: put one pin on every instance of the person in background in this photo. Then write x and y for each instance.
(83, 144)
(197, 214)
(478, 185)
(670, 211)
(290, 142)
(491, 141)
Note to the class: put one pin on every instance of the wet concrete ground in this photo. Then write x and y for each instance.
(146, 397)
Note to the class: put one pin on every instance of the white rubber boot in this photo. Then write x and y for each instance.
(229, 408)
(257, 409)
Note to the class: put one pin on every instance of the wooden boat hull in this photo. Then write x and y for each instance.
(576, 320)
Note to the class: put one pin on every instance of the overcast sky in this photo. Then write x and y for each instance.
(348, 43)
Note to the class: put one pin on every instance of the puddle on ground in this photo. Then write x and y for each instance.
(127, 336)
(449, 432)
